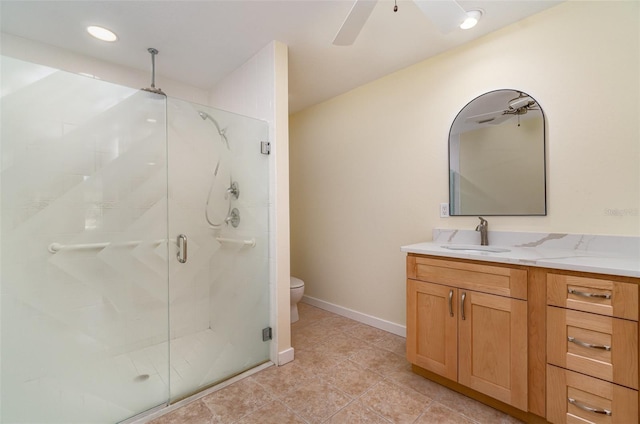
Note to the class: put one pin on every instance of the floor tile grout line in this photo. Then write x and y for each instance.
(339, 410)
(295, 413)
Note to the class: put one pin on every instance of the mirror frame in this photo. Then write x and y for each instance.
(544, 159)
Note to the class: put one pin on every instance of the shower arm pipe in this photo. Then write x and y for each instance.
(56, 247)
(153, 88)
(249, 242)
(153, 52)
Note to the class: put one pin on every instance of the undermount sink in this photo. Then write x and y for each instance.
(475, 248)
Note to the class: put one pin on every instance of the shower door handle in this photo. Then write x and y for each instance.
(182, 248)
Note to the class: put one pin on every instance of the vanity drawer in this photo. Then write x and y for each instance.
(503, 281)
(605, 297)
(570, 395)
(596, 345)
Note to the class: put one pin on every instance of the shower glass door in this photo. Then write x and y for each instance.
(84, 272)
(134, 261)
(218, 200)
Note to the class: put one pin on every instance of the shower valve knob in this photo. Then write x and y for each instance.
(234, 190)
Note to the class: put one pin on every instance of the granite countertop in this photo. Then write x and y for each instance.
(613, 255)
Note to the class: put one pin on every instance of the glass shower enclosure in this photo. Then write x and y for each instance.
(134, 257)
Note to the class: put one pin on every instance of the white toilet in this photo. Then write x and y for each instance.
(297, 290)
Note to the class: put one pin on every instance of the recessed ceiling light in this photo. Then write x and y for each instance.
(102, 33)
(473, 16)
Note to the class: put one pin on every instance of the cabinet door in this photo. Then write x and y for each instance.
(493, 346)
(432, 328)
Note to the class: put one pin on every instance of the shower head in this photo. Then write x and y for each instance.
(205, 115)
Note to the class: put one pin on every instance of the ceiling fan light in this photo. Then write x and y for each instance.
(473, 16)
(102, 33)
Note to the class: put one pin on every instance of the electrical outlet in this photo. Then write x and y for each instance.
(444, 210)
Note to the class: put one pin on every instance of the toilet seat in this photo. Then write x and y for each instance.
(296, 283)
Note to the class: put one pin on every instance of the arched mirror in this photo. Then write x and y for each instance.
(497, 156)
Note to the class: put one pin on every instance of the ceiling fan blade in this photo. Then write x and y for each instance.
(354, 22)
(447, 15)
(493, 118)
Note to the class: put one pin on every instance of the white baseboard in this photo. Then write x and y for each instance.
(391, 327)
(285, 356)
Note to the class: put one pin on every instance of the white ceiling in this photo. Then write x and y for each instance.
(200, 42)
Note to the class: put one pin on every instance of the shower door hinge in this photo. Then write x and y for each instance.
(265, 147)
(267, 334)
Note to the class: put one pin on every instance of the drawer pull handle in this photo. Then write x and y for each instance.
(450, 303)
(589, 345)
(585, 294)
(464, 296)
(588, 408)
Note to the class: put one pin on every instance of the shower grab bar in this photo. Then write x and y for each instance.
(250, 242)
(56, 247)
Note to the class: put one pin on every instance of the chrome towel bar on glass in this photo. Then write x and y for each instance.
(181, 241)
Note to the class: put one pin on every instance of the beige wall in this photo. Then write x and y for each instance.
(369, 168)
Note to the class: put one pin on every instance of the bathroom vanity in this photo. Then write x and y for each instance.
(542, 327)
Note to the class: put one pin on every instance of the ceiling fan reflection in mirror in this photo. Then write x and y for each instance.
(515, 107)
(446, 15)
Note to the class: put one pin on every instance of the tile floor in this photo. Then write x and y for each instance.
(344, 372)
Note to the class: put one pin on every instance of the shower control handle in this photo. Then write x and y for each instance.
(182, 248)
(234, 190)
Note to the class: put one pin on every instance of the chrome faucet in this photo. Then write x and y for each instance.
(483, 228)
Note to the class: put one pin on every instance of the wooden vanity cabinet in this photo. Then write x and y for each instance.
(467, 322)
(543, 345)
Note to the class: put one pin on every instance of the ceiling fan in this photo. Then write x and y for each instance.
(515, 107)
(447, 15)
